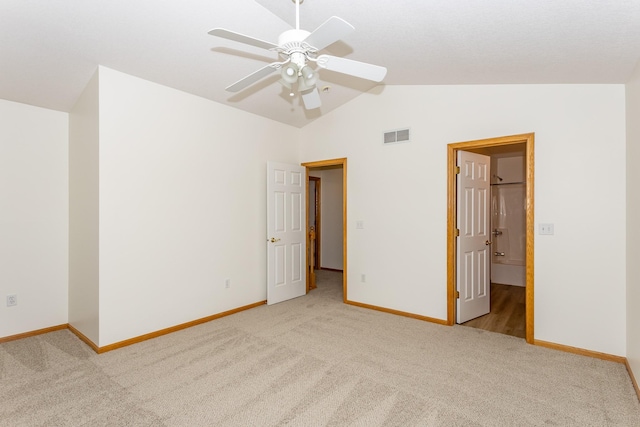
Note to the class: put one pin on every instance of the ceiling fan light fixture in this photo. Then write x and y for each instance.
(290, 73)
(309, 76)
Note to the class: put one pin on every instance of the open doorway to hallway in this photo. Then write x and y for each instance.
(326, 221)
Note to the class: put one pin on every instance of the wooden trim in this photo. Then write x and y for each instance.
(331, 269)
(580, 351)
(452, 152)
(451, 235)
(318, 205)
(306, 227)
(335, 162)
(323, 163)
(85, 339)
(344, 230)
(529, 239)
(33, 333)
(176, 328)
(633, 378)
(397, 312)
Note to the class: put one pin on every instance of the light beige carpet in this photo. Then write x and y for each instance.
(312, 361)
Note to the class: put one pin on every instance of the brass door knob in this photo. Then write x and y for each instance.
(273, 240)
(488, 242)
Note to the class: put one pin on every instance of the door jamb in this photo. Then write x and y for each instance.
(318, 164)
(452, 153)
(317, 206)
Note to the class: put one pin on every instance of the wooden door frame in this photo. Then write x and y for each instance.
(318, 216)
(452, 154)
(319, 164)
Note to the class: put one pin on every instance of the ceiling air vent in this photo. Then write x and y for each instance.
(396, 136)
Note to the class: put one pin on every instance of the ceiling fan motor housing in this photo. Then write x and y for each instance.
(292, 38)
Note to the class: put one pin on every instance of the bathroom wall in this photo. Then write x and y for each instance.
(511, 168)
(507, 174)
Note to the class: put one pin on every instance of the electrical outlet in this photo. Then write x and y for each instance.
(12, 300)
(227, 283)
(545, 229)
(363, 278)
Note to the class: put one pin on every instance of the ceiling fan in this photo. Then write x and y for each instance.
(298, 50)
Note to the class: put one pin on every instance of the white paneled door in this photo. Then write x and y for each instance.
(474, 240)
(286, 232)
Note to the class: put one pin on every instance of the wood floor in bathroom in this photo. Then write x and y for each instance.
(507, 314)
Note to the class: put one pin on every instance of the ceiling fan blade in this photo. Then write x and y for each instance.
(311, 99)
(252, 78)
(332, 30)
(237, 37)
(353, 68)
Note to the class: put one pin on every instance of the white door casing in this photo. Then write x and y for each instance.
(286, 232)
(473, 256)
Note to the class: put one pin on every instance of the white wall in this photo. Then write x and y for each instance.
(400, 193)
(182, 205)
(633, 222)
(34, 201)
(83, 212)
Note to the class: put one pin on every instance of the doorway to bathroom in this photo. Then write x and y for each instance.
(490, 205)
(507, 249)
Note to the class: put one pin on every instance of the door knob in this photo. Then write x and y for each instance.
(273, 240)
(488, 242)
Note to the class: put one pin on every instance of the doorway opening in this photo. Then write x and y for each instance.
(503, 147)
(332, 253)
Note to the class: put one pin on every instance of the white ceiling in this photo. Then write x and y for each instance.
(50, 49)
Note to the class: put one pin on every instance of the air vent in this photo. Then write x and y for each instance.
(396, 136)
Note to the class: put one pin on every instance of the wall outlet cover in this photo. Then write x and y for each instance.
(12, 300)
(545, 229)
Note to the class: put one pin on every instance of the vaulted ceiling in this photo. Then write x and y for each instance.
(50, 49)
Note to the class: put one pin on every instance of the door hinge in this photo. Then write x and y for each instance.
(457, 294)
(457, 170)
(457, 232)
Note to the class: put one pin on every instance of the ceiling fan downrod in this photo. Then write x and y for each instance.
(297, 14)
